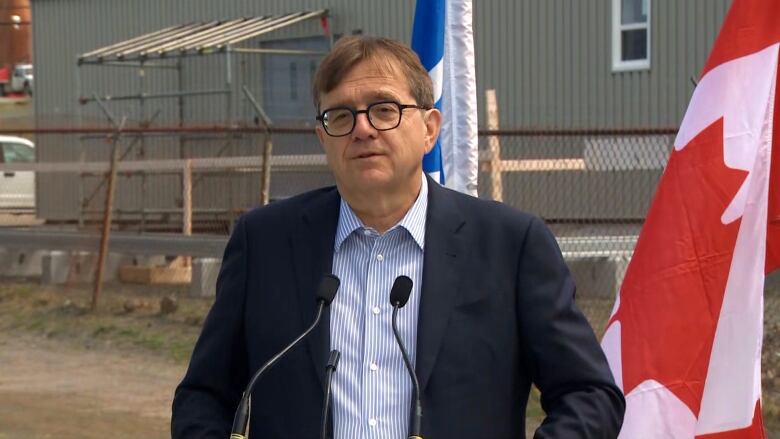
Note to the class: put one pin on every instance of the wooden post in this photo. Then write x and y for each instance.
(265, 184)
(107, 218)
(265, 173)
(494, 145)
(187, 204)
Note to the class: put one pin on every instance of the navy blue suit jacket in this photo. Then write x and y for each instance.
(497, 314)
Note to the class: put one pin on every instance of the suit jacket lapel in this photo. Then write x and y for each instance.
(445, 245)
(313, 257)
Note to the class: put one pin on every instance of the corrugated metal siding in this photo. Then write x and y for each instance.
(65, 29)
(550, 61)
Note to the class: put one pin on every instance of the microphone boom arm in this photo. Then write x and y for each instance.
(415, 427)
(241, 420)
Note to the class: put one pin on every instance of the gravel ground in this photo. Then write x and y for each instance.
(68, 373)
(55, 389)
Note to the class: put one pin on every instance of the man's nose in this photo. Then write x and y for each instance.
(363, 128)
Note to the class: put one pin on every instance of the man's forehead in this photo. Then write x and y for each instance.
(390, 82)
(379, 65)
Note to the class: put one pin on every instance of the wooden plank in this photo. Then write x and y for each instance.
(494, 147)
(297, 163)
(536, 165)
(287, 163)
(265, 182)
(155, 275)
(187, 198)
(187, 205)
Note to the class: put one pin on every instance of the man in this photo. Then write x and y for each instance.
(491, 311)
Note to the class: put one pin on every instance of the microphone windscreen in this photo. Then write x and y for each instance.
(402, 288)
(333, 360)
(327, 289)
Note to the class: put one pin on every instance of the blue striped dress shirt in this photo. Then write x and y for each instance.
(372, 390)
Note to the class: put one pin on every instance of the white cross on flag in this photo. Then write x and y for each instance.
(684, 339)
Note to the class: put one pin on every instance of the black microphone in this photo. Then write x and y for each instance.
(333, 361)
(325, 294)
(399, 295)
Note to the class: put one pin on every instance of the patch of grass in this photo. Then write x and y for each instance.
(16, 290)
(103, 330)
(152, 341)
(64, 313)
(181, 350)
(34, 323)
(129, 333)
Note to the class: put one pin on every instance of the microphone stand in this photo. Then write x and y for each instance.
(325, 294)
(333, 361)
(415, 425)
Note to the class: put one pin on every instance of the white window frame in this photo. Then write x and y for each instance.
(618, 65)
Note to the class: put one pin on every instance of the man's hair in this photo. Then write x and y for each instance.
(349, 51)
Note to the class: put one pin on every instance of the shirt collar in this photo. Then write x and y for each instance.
(413, 221)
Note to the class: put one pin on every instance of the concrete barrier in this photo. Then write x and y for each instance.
(59, 267)
(204, 277)
(20, 262)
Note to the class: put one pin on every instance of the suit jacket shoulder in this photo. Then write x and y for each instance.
(488, 216)
(284, 214)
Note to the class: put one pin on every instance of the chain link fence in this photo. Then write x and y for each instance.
(592, 187)
(574, 178)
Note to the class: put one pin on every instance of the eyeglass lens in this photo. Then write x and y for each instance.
(381, 115)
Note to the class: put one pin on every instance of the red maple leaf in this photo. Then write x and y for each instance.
(673, 290)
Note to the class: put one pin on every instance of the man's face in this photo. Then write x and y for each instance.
(368, 159)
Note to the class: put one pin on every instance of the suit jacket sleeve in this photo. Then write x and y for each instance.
(206, 399)
(578, 393)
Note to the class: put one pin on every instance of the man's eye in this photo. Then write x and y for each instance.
(384, 110)
(338, 116)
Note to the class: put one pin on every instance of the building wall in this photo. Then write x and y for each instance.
(550, 61)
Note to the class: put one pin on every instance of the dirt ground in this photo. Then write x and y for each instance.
(55, 389)
(66, 372)
(70, 373)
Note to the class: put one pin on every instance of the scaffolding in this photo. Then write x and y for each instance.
(166, 49)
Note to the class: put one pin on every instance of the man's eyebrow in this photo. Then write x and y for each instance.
(384, 95)
(375, 96)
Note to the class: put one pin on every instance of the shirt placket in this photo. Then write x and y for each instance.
(373, 331)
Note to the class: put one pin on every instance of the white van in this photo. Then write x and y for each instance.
(17, 189)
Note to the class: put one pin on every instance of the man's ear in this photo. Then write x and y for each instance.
(320, 134)
(432, 126)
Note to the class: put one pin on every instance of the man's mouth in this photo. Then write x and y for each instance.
(367, 155)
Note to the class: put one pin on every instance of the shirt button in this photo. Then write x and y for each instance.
(376, 310)
(380, 258)
(372, 422)
(374, 367)
(367, 232)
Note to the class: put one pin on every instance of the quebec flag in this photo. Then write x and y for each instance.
(443, 38)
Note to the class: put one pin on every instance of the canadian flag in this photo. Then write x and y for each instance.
(684, 338)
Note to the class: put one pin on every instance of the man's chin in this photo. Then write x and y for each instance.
(372, 181)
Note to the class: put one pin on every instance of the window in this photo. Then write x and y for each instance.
(286, 80)
(18, 153)
(630, 35)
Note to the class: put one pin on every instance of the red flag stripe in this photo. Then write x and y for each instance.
(750, 26)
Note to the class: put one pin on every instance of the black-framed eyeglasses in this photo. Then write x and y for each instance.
(383, 116)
